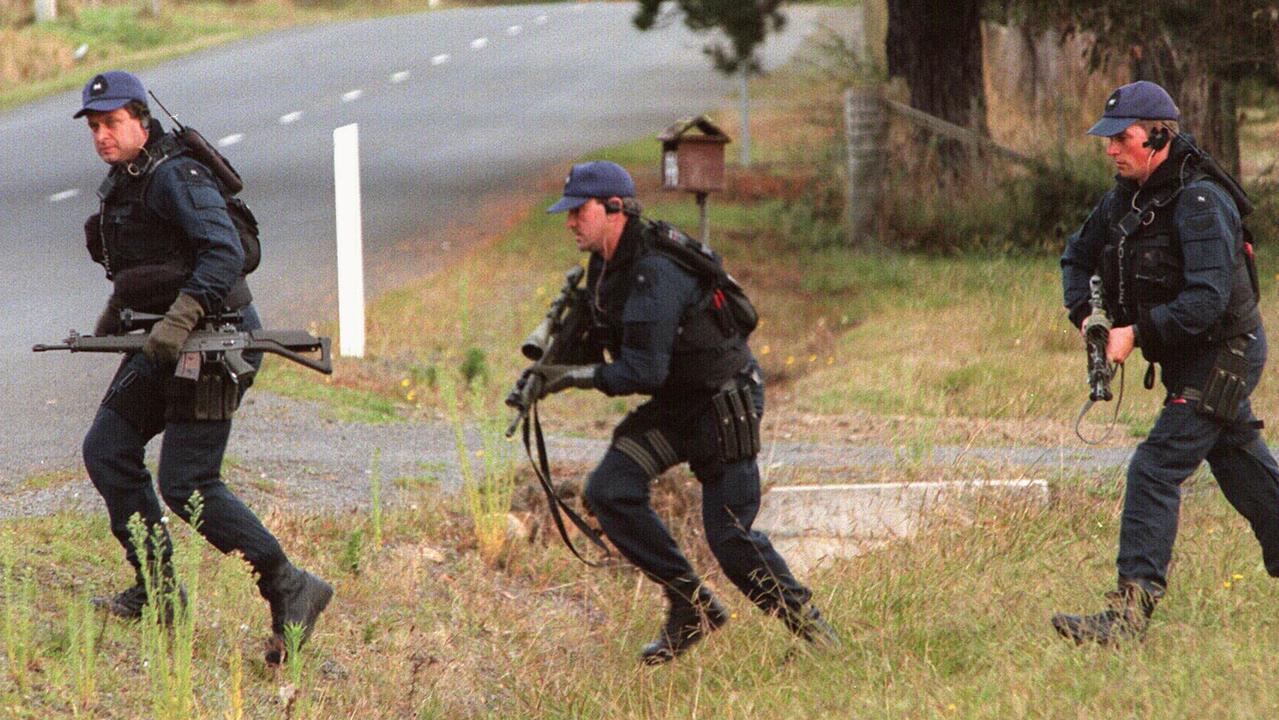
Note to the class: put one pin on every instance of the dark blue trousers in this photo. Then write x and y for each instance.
(618, 494)
(1180, 440)
(132, 413)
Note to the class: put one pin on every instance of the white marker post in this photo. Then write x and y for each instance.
(346, 201)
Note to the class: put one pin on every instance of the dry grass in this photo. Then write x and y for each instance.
(951, 624)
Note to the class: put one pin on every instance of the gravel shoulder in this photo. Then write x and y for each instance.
(290, 455)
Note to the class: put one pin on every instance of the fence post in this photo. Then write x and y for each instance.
(865, 132)
(46, 10)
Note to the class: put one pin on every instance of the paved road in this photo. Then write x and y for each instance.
(452, 106)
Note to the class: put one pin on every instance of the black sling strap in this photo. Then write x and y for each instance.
(543, 470)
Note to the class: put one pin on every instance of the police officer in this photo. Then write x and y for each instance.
(1167, 241)
(168, 245)
(668, 338)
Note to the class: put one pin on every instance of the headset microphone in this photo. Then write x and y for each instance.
(1158, 139)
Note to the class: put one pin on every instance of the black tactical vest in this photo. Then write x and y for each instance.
(1143, 269)
(708, 350)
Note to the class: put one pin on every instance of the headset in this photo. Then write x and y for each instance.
(1158, 139)
(612, 206)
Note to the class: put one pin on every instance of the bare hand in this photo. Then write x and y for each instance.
(1120, 344)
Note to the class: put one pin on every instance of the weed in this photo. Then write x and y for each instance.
(474, 365)
(19, 604)
(375, 501)
(82, 650)
(488, 493)
(351, 551)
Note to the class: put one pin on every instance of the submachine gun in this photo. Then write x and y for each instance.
(561, 338)
(1101, 371)
(216, 340)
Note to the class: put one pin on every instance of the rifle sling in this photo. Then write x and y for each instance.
(543, 471)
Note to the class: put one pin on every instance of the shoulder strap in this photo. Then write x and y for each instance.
(694, 256)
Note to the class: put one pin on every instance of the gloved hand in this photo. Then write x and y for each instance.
(164, 344)
(109, 321)
(560, 377)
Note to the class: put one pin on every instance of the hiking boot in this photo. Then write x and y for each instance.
(687, 622)
(297, 598)
(128, 603)
(1126, 619)
(808, 624)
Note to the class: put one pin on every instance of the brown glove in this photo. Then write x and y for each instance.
(164, 344)
(109, 321)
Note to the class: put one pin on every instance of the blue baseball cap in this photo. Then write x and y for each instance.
(110, 91)
(597, 179)
(1142, 100)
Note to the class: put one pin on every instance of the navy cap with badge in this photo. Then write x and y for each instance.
(1142, 100)
(596, 179)
(110, 91)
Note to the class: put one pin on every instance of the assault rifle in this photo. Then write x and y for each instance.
(216, 340)
(560, 339)
(1096, 333)
(552, 342)
(1101, 371)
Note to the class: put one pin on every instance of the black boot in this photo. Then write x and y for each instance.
(297, 598)
(808, 624)
(693, 613)
(1131, 606)
(128, 603)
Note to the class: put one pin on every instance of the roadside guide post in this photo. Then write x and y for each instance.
(350, 241)
(694, 161)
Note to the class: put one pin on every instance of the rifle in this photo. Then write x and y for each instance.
(217, 340)
(1101, 371)
(558, 339)
(1096, 333)
(551, 343)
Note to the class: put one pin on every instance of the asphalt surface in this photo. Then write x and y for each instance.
(454, 107)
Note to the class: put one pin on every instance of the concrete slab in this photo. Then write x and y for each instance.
(812, 523)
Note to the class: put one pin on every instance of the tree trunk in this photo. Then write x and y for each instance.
(937, 48)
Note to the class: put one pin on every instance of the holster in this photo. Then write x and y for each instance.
(736, 423)
(213, 396)
(1226, 387)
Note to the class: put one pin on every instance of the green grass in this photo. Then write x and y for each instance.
(343, 403)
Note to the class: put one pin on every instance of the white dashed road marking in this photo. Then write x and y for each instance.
(479, 43)
(64, 195)
(440, 59)
(230, 140)
(514, 30)
(352, 95)
(400, 76)
(290, 118)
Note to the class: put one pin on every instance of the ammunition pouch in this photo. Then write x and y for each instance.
(1226, 387)
(212, 396)
(736, 423)
(150, 288)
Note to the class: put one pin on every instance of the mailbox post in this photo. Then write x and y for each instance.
(694, 161)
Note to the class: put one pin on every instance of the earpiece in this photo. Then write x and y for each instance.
(1158, 139)
(612, 206)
